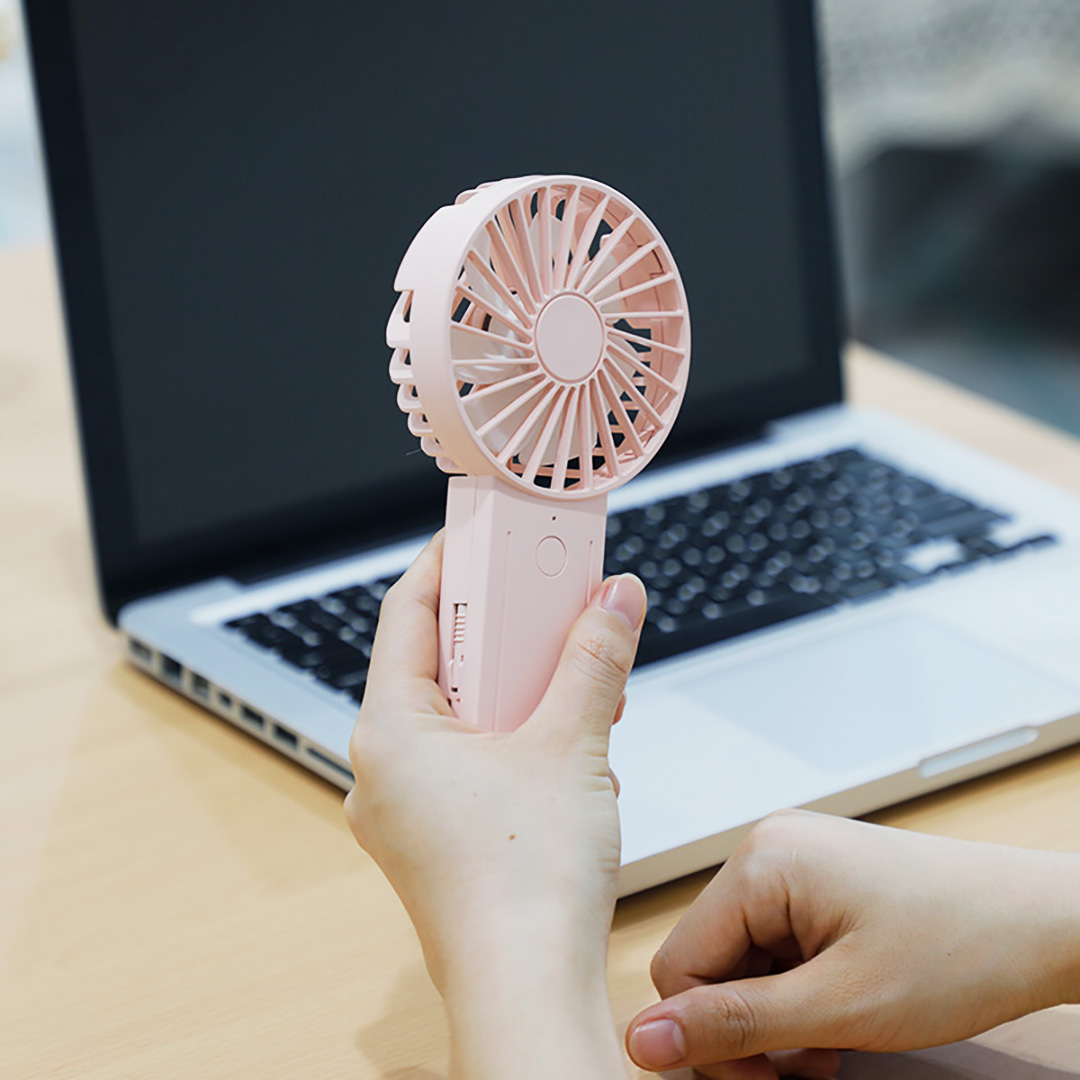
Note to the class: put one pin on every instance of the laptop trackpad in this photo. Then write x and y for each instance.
(904, 687)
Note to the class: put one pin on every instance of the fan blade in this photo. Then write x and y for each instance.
(633, 290)
(544, 217)
(508, 319)
(588, 441)
(608, 246)
(603, 425)
(626, 425)
(641, 367)
(562, 254)
(491, 389)
(507, 297)
(536, 458)
(521, 225)
(627, 264)
(638, 339)
(501, 251)
(530, 421)
(585, 242)
(509, 410)
(636, 396)
(562, 454)
(498, 339)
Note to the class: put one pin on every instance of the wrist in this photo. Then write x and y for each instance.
(530, 1001)
(503, 951)
(520, 922)
(1067, 897)
(1054, 894)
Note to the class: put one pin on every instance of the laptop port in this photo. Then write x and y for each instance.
(200, 687)
(251, 716)
(285, 737)
(171, 668)
(224, 700)
(140, 651)
(330, 763)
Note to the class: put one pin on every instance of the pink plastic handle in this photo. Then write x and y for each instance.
(517, 572)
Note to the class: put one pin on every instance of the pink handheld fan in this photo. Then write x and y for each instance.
(541, 345)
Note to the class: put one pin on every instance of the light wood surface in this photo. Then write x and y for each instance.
(176, 900)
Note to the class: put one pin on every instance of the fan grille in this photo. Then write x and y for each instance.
(568, 339)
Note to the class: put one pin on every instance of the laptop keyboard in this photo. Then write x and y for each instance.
(328, 637)
(723, 561)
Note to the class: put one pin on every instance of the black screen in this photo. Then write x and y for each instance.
(258, 169)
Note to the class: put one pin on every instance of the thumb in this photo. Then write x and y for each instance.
(733, 1020)
(596, 660)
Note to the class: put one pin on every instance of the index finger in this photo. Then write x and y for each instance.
(407, 636)
(746, 905)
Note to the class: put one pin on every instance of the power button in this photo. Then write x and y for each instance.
(551, 556)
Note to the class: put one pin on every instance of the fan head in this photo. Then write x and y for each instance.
(541, 336)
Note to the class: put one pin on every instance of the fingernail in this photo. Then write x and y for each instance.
(657, 1044)
(624, 596)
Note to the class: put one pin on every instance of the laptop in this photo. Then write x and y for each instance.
(845, 610)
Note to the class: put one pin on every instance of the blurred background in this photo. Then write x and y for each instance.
(955, 132)
(23, 213)
(955, 135)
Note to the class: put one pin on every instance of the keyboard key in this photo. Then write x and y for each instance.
(692, 557)
(863, 587)
(333, 656)
(941, 506)
(315, 618)
(264, 633)
(902, 575)
(983, 545)
(966, 523)
(349, 680)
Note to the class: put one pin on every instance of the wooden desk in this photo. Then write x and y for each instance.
(178, 901)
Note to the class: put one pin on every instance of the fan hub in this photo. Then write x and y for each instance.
(569, 337)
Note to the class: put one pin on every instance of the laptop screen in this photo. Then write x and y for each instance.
(239, 182)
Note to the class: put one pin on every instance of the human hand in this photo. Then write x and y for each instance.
(504, 847)
(823, 932)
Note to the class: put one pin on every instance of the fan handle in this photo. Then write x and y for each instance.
(517, 572)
